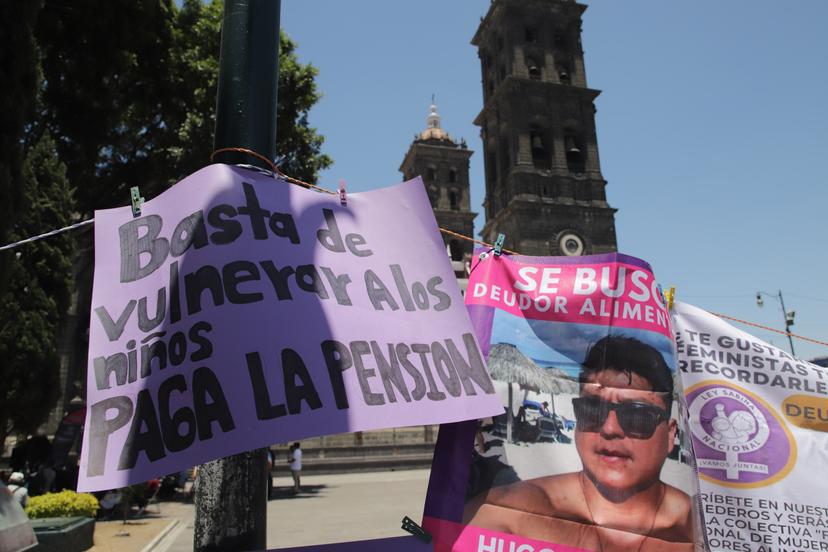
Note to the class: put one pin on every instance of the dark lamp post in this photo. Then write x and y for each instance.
(789, 315)
(231, 495)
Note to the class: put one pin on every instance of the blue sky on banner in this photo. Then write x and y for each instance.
(712, 129)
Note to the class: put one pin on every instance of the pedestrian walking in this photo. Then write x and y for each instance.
(270, 458)
(295, 462)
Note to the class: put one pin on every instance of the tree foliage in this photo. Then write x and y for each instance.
(106, 67)
(131, 92)
(18, 73)
(37, 296)
(104, 96)
(196, 64)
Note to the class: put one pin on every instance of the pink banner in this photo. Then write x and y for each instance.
(587, 452)
(455, 537)
(620, 294)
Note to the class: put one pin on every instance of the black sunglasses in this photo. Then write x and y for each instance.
(639, 420)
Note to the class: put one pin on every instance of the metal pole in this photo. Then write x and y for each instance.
(248, 80)
(787, 326)
(231, 493)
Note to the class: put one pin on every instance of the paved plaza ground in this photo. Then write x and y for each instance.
(331, 508)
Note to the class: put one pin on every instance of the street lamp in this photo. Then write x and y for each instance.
(789, 315)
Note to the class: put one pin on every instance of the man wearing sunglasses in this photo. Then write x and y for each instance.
(623, 435)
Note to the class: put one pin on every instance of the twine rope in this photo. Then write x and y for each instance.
(768, 328)
(47, 234)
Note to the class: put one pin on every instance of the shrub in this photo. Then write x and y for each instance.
(63, 504)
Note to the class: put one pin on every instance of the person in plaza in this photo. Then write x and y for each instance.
(17, 488)
(623, 434)
(295, 462)
(270, 458)
(194, 486)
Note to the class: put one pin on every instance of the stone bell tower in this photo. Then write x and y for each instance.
(544, 187)
(444, 166)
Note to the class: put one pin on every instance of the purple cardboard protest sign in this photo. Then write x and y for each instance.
(239, 311)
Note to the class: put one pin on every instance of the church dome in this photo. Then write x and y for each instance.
(433, 130)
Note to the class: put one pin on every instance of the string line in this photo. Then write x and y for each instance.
(274, 167)
(768, 328)
(47, 234)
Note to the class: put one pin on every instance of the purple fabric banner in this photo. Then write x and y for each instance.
(239, 311)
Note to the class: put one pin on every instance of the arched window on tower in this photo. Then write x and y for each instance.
(534, 68)
(432, 174)
(452, 175)
(540, 153)
(456, 250)
(454, 199)
(433, 196)
(564, 72)
(575, 158)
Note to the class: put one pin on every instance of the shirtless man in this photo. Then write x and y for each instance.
(616, 503)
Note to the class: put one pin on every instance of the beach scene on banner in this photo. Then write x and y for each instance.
(590, 451)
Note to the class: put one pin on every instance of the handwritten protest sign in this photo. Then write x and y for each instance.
(758, 419)
(237, 311)
(585, 454)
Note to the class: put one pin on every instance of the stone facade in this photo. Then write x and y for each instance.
(444, 167)
(544, 187)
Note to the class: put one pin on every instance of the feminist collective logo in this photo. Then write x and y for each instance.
(739, 440)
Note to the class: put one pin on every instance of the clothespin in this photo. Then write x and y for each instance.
(498, 248)
(343, 199)
(411, 526)
(137, 201)
(670, 297)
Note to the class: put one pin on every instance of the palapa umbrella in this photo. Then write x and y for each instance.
(507, 363)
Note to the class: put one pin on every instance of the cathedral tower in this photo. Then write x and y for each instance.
(544, 187)
(444, 166)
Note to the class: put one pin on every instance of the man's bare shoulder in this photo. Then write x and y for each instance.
(554, 495)
(675, 518)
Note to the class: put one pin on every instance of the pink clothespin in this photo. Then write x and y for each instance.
(343, 199)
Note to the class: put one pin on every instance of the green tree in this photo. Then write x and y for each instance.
(128, 93)
(106, 68)
(196, 62)
(37, 296)
(130, 89)
(18, 73)
(298, 142)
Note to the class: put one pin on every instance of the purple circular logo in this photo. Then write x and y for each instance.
(738, 439)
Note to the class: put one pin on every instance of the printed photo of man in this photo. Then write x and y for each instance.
(624, 432)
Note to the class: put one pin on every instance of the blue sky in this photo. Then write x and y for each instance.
(712, 129)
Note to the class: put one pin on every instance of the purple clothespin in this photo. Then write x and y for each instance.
(343, 199)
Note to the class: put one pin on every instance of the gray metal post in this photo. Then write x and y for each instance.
(787, 323)
(231, 493)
